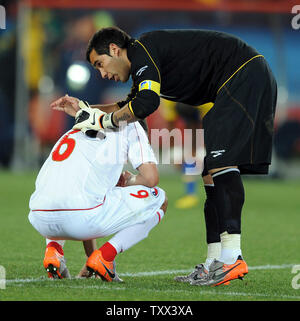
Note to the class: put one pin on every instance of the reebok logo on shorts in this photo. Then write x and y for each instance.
(216, 153)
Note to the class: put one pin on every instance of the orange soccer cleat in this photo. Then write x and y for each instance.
(55, 264)
(221, 273)
(105, 269)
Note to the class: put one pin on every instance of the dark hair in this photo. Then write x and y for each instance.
(104, 37)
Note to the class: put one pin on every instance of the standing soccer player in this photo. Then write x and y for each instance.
(197, 67)
(76, 197)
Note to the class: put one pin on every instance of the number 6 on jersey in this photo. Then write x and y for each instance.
(70, 145)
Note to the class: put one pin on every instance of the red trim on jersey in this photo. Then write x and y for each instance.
(159, 218)
(73, 209)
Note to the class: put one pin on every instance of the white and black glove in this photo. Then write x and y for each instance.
(92, 118)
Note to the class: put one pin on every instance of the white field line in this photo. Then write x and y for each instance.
(96, 287)
(210, 292)
(154, 273)
(22, 282)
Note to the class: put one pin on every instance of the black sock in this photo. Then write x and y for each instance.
(229, 200)
(211, 216)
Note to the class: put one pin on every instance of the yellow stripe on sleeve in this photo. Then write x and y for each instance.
(130, 108)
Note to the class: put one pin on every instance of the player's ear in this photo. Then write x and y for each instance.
(114, 50)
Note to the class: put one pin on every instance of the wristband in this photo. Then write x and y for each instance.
(106, 121)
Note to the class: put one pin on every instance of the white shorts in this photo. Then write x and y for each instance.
(121, 208)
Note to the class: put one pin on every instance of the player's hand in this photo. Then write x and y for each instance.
(129, 178)
(87, 117)
(68, 104)
(124, 178)
(84, 273)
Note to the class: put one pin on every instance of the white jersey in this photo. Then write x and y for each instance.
(80, 170)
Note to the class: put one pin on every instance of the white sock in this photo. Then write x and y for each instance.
(231, 247)
(60, 242)
(131, 235)
(213, 252)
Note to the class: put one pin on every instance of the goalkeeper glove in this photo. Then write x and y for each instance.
(92, 118)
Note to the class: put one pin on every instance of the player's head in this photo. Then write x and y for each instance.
(107, 52)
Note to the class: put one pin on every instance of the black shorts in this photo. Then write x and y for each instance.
(238, 130)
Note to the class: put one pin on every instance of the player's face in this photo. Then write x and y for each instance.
(115, 67)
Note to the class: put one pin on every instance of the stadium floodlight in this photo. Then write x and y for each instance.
(78, 76)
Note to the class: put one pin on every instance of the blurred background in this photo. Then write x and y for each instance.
(42, 57)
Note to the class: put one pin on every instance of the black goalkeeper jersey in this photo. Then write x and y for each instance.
(187, 66)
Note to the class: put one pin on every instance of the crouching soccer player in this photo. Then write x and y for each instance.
(76, 197)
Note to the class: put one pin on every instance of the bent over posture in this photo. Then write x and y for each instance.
(76, 197)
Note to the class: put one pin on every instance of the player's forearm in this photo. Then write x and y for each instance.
(123, 115)
(120, 115)
(141, 180)
(145, 180)
(137, 180)
(107, 108)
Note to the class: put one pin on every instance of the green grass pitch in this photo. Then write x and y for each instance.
(270, 245)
